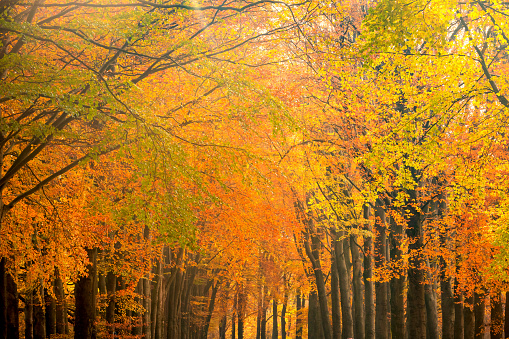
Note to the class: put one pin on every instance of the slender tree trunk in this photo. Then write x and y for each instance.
(506, 315)
(39, 325)
(479, 308)
(344, 288)
(497, 316)
(298, 321)
(335, 298)
(416, 306)
(313, 255)
(61, 305)
(397, 282)
(274, 319)
(263, 321)
(369, 300)
(51, 314)
(146, 317)
(381, 318)
(283, 316)
(432, 331)
(29, 315)
(234, 316)
(469, 318)
(241, 309)
(85, 295)
(358, 298)
(315, 328)
(11, 305)
(459, 321)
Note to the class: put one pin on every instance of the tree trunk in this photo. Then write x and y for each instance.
(241, 309)
(61, 306)
(469, 318)
(283, 316)
(369, 300)
(358, 299)
(9, 317)
(459, 321)
(479, 308)
(85, 295)
(29, 315)
(344, 288)
(381, 324)
(314, 257)
(39, 314)
(432, 331)
(274, 319)
(397, 282)
(416, 306)
(51, 314)
(448, 307)
(497, 316)
(335, 298)
(315, 328)
(298, 321)
(506, 315)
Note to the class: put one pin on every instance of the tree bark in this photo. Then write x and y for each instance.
(315, 328)
(85, 295)
(497, 316)
(358, 300)
(381, 318)
(39, 325)
(397, 282)
(51, 314)
(61, 306)
(469, 318)
(432, 330)
(369, 300)
(479, 308)
(29, 315)
(283, 316)
(298, 320)
(416, 306)
(274, 319)
(344, 288)
(335, 298)
(459, 321)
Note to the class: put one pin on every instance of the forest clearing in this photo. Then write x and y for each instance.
(218, 169)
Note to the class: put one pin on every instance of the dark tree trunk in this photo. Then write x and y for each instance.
(241, 309)
(459, 321)
(397, 283)
(274, 319)
(312, 251)
(381, 318)
(479, 308)
(335, 298)
(344, 287)
(85, 295)
(137, 321)
(8, 303)
(497, 316)
(39, 314)
(283, 316)
(234, 316)
(298, 320)
(210, 311)
(369, 300)
(29, 315)
(263, 321)
(416, 305)
(146, 323)
(469, 318)
(432, 330)
(155, 306)
(506, 315)
(315, 328)
(448, 307)
(111, 290)
(51, 314)
(358, 298)
(61, 306)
